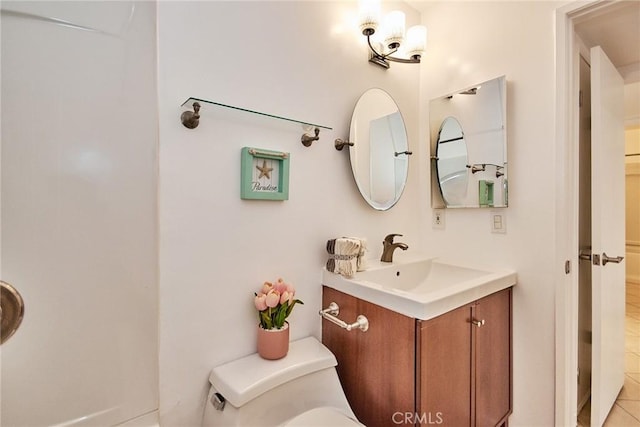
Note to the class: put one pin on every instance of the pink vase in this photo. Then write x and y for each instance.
(273, 344)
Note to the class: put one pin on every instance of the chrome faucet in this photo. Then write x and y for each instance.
(388, 247)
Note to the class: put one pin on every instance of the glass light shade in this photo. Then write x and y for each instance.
(394, 29)
(368, 16)
(416, 40)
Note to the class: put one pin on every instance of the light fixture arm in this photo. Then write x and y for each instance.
(381, 58)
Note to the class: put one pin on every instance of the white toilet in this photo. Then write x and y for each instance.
(302, 389)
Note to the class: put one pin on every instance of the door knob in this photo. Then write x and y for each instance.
(11, 311)
(606, 259)
(478, 323)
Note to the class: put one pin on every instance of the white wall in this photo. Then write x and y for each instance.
(471, 42)
(297, 59)
(304, 60)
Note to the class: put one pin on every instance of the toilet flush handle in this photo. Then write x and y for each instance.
(218, 401)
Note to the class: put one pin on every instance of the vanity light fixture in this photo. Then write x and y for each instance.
(472, 91)
(386, 37)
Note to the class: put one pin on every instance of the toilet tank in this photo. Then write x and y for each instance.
(270, 392)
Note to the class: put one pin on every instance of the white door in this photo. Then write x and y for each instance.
(78, 219)
(607, 210)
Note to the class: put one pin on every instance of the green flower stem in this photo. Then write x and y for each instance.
(276, 317)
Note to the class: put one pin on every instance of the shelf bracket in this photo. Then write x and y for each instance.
(191, 119)
(307, 139)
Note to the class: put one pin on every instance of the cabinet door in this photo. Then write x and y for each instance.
(493, 358)
(444, 369)
(376, 368)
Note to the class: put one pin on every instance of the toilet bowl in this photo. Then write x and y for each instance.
(302, 389)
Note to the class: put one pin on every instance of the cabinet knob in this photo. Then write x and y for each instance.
(477, 322)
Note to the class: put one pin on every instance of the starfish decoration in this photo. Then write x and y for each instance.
(264, 170)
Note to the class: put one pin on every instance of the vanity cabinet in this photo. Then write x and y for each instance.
(376, 368)
(463, 370)
(452, 370)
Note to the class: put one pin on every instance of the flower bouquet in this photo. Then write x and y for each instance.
(274, 303)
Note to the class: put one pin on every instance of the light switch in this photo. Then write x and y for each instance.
(498, 222)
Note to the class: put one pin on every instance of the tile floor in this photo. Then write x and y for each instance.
(626, 411)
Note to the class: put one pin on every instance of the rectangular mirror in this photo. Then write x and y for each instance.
(468, 136)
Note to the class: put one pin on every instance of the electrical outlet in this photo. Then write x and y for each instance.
(438, 219)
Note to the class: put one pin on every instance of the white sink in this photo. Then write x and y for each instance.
(422, 288)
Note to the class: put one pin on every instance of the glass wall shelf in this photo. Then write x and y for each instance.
(204, 103)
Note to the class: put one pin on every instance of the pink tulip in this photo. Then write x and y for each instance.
(273, 298)
(260, 302)
(286, 297)
(280, 286)
(266, 287)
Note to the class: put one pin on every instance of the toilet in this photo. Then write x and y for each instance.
(301, 389)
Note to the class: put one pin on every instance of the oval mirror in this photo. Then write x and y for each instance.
(451, 154)
(380, 152)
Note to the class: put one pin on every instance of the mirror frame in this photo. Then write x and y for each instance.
(491, 169)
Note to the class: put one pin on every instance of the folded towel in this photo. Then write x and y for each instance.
(346, 255)
(361, 260)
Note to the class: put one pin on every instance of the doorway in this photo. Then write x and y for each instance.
(580, 26)
(623, 411)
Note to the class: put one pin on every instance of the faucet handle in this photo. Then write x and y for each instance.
(389, 238)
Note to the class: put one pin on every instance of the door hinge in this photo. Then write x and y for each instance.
(567, 267)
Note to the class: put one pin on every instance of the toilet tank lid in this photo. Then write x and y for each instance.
(242, 380)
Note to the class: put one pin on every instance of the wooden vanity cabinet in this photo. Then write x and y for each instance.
(463, 370)
(493, 356)
(376, 368)
(444, 371)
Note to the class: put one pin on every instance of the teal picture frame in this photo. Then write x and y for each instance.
(485, 193)
(264, 174)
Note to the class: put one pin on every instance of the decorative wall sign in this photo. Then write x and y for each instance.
(264, 174)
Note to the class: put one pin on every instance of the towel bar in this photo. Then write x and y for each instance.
(333, 310)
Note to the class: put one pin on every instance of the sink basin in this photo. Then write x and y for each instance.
(422, 288)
